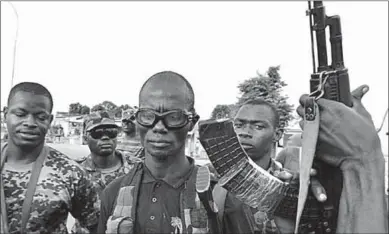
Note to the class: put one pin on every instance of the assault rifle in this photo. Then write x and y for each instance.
(329, 81)
(253, 185)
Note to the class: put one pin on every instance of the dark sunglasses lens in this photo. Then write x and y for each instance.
(96, 134)
(99, 133)
(145, 117)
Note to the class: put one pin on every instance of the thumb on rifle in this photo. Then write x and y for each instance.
(359, 92)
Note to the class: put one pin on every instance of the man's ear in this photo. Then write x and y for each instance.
(194, 121)
(277, 135)
(5, 110)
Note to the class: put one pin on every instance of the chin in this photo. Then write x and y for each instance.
(28, 146)
(106, 153)
(28, 143)
(159, 155)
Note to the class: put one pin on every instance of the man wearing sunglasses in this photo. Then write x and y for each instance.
(130, 141)
(105, 163)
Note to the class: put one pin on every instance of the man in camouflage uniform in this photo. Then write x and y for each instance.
(130, 141)
(62, 185)
(104, 163)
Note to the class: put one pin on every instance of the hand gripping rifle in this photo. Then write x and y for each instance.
(329, 82)
(253, 185)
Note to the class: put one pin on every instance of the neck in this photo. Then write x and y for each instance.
(18, 155)
(105, 162)
(175, 166)
(129, 136)
(264, 160)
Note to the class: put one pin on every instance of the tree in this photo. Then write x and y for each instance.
(109, 106)
(269, 87)
(85, 110)
(112, 108)
(221, 112)
(98, 107)
(75, 108)
(78, 109)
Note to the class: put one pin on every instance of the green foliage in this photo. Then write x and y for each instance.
(221, 112)
(78, 109)
(112, 108)
(267, 86)
(85, 110)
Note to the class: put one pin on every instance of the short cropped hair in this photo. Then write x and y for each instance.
(263, 102)
(31, 87)
(164, 74)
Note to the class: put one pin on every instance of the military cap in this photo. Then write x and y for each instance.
(98, 119)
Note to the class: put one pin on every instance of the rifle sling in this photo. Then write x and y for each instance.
(310, 135)
(26, 209)
(4, 218)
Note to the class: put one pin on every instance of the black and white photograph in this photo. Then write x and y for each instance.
(187, 117)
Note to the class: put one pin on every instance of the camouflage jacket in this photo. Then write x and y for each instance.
(132, 147)
(101, 179)
(62, 186)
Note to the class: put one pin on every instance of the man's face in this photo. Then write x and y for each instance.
(128, 126)
(102, 140)
(159, 141)
(28, 119)
(254, 127)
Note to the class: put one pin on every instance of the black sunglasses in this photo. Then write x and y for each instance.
(171, 119)
(130, 119)
(99, 133)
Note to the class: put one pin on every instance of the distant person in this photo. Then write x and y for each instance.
(289, 157)
(104, 163)
(130, 141)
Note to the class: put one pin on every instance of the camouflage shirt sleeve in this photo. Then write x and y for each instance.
(85, 202)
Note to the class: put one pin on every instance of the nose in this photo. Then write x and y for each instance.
(244, 132)
(30, 122)
(159, 127)
(105, 137)
(245, 135)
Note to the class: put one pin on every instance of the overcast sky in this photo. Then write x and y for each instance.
(89, 52)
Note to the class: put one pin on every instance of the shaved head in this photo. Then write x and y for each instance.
(163, 92)
(172, 85)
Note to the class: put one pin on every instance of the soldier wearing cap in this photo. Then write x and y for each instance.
(130, 141)
(105, 162)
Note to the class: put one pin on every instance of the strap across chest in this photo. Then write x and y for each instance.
(26, 208)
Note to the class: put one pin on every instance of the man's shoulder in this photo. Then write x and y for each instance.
(129, 157)
(124, 180)
(110, 192)
(61, 162)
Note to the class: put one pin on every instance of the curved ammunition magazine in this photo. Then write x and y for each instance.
(250, 183)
